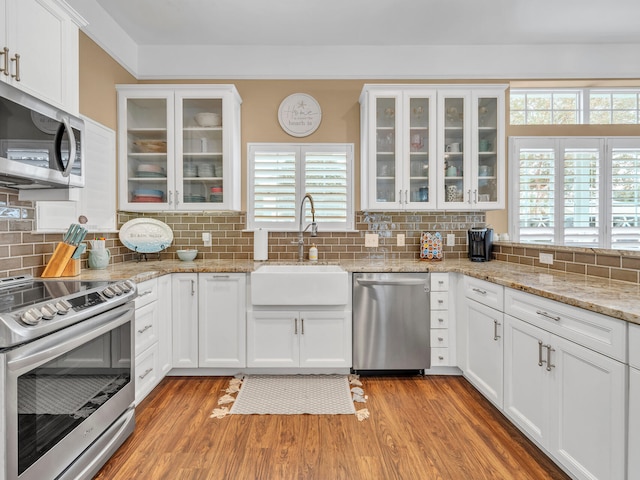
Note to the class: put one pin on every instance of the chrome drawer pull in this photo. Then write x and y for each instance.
(440, 357)
(146, 327)
(302, 326)
(495, 330)
(549, 365)
(540, 361)
(481, 292)
(548, 315)
(225, 276)
(295, 328)
(440, 339)
(147, 372)
(148, 292)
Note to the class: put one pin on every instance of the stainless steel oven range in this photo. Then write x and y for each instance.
(66, 371)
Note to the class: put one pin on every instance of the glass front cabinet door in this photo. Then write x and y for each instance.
(179, 147)
(471, 149)
(398, 147)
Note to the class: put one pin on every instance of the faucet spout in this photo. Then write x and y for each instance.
(313, 225)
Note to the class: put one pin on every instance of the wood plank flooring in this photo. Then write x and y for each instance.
(419, 428)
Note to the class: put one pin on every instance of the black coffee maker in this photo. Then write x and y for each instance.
(480, 244)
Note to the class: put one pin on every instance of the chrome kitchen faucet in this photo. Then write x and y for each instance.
(313, 225)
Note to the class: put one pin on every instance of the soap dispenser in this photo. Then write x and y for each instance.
(313, 253)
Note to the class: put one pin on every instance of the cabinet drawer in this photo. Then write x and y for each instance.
(147, 372)
(439, 357)
(595, 331)
(146, 328)
(484, 292)
(634, 345)
(439, 282)
(439, 300)
(439, 338)
(147, 292)
(440, 319)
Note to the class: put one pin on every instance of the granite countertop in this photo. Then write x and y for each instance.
(610, 297)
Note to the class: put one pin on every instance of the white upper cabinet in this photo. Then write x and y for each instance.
(39, 50)
(179, 147)
(398, 149)
(427, 147)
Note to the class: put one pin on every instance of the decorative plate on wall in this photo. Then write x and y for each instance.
(299, 115)
(146, 235)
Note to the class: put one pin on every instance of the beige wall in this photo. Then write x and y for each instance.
(99, 73)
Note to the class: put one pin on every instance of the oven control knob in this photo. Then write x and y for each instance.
(118, 289)
(48, 311)
(31, 316)
(109, 292)
(63, 306)
(126, 288)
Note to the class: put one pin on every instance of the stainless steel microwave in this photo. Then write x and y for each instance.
(40, 145)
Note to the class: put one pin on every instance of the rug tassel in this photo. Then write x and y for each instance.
(362, 414)
(219, 412)
(226, 399)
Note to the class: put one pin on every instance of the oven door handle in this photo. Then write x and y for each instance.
(33, 354)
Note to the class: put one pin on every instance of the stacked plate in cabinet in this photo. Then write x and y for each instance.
(148, 196)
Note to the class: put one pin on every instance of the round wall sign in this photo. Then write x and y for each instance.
(299, 115)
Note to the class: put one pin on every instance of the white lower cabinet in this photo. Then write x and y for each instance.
(221, 320)
(568, 398)
(185, 320)
(164, 324)
(633, 446)
(209, 318)
(483, 349)
(480, 335)
(146, 335)
(292, 338)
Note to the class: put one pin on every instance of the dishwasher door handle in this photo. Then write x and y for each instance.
(400, 282)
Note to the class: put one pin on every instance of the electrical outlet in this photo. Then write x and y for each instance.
(370, 239)
(206, 239)
(546, 258)
(451, 239)
(400, 239)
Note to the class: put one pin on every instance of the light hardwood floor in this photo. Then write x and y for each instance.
(419, 428)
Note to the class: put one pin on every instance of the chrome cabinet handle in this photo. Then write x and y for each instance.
(5, 67)
(146, 327)
(440, 339)
(16, 58)
(406, 196)
(193, 287)
(481, 292)
(475, 196)
(540, 360)
(440, 357)
(469, 192)
(302, 326)
(400, 196)
(441, 320)
(495, 330)
(221, 276)
(295, 326)
(170, 202)
(147, 292)
(146, 372)
(549, 364)
(177, 197)
(548, 315)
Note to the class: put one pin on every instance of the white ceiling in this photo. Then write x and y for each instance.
(366, 37)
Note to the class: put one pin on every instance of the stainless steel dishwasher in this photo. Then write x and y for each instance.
(391, 324)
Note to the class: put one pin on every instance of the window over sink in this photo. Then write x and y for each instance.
(280, 174)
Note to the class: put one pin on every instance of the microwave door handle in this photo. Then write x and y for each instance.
(66, 171)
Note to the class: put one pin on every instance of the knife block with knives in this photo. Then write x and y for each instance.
(65, 260)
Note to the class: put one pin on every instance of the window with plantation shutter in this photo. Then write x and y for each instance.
(536, 173)
(576, 191)
(281, 174)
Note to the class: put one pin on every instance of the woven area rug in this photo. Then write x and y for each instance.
(293, 395)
